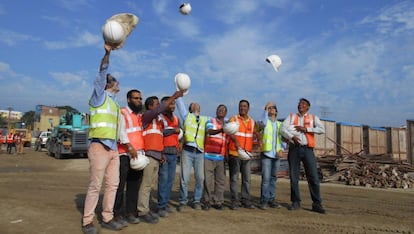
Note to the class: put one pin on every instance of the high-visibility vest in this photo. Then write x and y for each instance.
(216, 143)
(308, 121)
(9, 139)
(244, 135)
(193, 131)
(171, 140)
(153, 138)
(267, 138)
(134, 129)
(104, 120)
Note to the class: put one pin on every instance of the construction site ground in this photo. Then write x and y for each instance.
(40, 194)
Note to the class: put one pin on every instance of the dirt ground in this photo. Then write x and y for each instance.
(40, 194)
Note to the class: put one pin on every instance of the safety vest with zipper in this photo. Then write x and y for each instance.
(104, 120)
(267, 139)
(308, 121)
(133, 128)
(244, 135)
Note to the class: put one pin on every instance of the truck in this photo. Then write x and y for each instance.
(19, 127)
(69, 138)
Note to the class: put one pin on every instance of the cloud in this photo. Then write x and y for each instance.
(11, 38)
(83, 39)
(69, 78)
(74, 5)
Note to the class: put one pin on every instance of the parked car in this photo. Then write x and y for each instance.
(41, 139)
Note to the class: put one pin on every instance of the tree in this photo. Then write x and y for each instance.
(28, 118)
(3, 122)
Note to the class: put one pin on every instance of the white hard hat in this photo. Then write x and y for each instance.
(180, 135)
(185, 8)
(275, 61)
(140, 162)
(231, 128)
(244, 154)
(113, 32)
(182, 82)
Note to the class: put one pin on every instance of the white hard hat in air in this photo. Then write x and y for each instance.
(182, 82)
(185, 8)
(140, 162)
(244, 154)
(113, 32)
(231, 128)
(275, 60)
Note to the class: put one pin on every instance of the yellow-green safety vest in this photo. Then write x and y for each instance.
(190, 130)
(267, 138)
(104, 120)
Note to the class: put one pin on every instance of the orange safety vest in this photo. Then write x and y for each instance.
(171, 140)
(244, 135)
(153, 138)
(216, 143)
(133, 127)
(308, 121)
(9, 139)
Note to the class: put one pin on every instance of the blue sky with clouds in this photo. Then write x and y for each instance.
(354, 60)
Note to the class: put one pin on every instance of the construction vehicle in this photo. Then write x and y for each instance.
(69, 138)
(19, 127)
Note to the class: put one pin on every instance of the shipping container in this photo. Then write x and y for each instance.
(349, 138)
(325, 143)
(374, 140)
(397, 143)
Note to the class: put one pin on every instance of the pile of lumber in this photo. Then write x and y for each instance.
(378, 171)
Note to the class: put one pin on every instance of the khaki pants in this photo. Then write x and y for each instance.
(149, 180)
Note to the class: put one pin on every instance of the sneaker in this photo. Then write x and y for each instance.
(132, 219)
(219, 207)
(154, 214)
(197, 206)
(249, 206)
(294, 206)
(318, 208)
(181, 207)
(274, 204)
(234, 206)
(89, 229)
(264, 206)
(162, 212)
(121, 221)
(206, 207)
(112, 225)
(148, 218)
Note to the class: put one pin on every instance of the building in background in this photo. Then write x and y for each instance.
(14, 115)
(46, 117)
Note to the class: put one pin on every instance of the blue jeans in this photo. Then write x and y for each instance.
(305, 155)
(191, 159)
(270, 166)
(166, 175)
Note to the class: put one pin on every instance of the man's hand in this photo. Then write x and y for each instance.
(296, 140)
(300, 129)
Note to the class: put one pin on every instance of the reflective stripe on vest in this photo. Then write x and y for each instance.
(215, 143)
(267, 139)
(171, 140)
(191, 128)
(244, 135)
(133, 128)
(104, 120)
(308, 121)
(153, 138)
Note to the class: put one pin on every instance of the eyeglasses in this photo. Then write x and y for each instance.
(136, 98)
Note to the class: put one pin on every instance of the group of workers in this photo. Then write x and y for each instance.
(119, 135)
(13, 140)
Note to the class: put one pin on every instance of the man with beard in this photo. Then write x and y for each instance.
(131, 141)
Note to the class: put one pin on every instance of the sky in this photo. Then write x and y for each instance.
(352, 59)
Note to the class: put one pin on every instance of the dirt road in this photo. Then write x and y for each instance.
(40, 194)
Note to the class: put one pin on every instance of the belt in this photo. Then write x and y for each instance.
(299, 146)
(191, 148)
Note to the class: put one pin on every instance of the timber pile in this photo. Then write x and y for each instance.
(378, 171)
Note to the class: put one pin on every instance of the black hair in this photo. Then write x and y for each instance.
(222, 105)
(129, 94)
(305, 100)
(150, 101)
(243, 100)
(189, 108)
(165, 98)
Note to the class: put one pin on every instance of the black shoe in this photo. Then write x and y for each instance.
(112, 225)
(181, 207)
(249, 206)
(162, 212)
(234, 206)
(197, 206)
(294, 206)
(148, 218)
(318, 208)
(274, 204)
(219, 207)
(206, 207)
(121, 221)
(89, 229)
(264, 206)
(132, 219)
